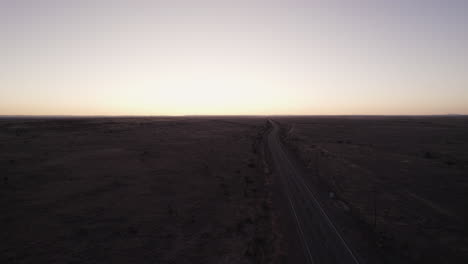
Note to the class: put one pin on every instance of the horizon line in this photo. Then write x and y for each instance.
(233, 115)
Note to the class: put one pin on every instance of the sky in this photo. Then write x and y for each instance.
(257, 57)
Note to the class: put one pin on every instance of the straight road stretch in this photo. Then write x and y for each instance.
(322, 242)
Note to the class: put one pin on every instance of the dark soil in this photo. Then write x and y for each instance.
(134, 190)
(404, 178)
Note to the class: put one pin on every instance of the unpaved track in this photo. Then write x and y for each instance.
(321, 241)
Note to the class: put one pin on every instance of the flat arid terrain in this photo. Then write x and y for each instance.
(234, 190)
(405, 179)
(134, 190)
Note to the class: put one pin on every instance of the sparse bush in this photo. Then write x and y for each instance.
(428, 155)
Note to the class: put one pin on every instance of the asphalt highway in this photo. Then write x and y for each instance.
(321, 240)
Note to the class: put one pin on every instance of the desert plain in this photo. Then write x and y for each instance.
(204, 190)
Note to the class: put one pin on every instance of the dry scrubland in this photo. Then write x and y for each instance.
(141, 190)
(413, 172)
(194, 190)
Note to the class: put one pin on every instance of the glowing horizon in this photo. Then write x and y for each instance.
(220, 58)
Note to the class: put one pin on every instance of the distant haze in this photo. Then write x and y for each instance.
(135, 57)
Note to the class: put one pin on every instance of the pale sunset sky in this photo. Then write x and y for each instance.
(322, 57)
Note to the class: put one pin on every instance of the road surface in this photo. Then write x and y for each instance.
(320, 239)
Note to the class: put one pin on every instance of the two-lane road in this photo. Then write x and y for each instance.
(322, 242)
